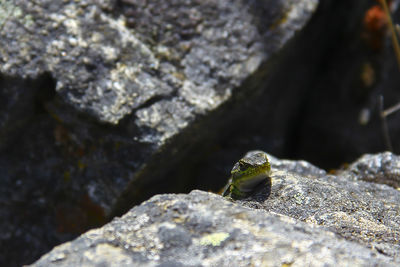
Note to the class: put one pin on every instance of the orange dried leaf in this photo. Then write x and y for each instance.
(375, 19)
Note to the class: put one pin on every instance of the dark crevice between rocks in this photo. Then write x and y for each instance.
(342, 20)
(24, 98)
(46, 91)
(23, 207)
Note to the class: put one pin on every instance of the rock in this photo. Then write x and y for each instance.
(383, 168)
(309, 218)
(299, 167)
(364, 212)
(193, 56)
(99, 93)
(205, 230)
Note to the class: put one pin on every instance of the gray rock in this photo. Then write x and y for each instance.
(308, 219)
(365, 212)
(99, 93)
(383, 168)
(227, 235)
(299, 167)
(109, 70)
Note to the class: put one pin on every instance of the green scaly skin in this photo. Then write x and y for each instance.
(247, 174)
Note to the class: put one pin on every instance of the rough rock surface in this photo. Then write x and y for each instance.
(96, 94)
(360, 211)
(381, 168)
(184, 52)
(305, 218)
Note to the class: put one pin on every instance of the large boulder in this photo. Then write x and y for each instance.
(101, 98)
(304, 217)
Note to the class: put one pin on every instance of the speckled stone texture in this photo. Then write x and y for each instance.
(305, 218)
(192, 52)
(383, 168)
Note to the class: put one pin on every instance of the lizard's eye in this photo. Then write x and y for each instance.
(243, 165)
